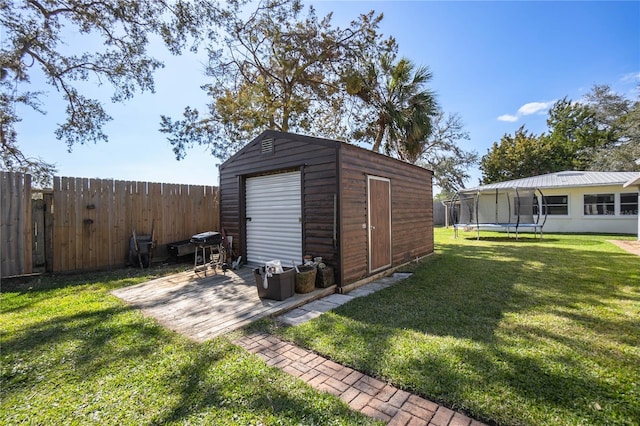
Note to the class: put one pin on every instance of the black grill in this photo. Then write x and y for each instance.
(207, 238)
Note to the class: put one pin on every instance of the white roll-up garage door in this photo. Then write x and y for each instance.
(273, 211)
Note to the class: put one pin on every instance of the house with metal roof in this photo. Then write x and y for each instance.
(581, 201)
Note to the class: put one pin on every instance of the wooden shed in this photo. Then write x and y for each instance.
(285, 195)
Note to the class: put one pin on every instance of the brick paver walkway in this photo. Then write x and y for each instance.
(363, 393)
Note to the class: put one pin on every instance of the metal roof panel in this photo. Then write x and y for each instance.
(568, 178)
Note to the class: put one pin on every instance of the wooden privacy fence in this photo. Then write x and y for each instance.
(439, 213)
(15, 224)
(85, 224)
(94, 218)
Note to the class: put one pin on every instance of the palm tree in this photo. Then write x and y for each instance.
(403, 105)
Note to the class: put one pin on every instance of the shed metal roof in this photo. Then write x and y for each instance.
(278, 135)
(569, 178)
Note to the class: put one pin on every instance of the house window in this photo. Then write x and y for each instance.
(552, 205)
(629, 203)
(599, 204)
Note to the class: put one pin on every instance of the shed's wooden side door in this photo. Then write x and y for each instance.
(379, 218)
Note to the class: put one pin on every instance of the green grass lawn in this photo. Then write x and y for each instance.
(73, 354)
(511, 332)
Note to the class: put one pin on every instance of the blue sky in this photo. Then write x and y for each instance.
(499, 65)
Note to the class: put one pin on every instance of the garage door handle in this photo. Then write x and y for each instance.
(248, 219)
(373, 227)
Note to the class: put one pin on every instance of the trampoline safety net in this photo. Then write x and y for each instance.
(512, 209)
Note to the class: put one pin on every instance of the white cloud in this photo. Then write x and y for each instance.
(508, 117)
(631, 77)
(527, 109)
(534, 107)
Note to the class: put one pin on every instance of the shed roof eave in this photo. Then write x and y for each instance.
(541, 187)
(632, 182)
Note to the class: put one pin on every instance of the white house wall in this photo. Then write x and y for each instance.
(577, 221)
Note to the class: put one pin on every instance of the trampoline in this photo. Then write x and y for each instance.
(506, 209)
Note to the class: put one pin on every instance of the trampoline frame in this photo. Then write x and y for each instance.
(509, 225)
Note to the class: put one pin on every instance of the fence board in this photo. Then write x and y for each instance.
(11, 261)
(155, 192)
(100, 231)
(96, 238)
(107, 209)
(75, 223)
(56, 201)
(65, 237)
(15, 224)
(119, 209)
(82, 227)
(27, 226)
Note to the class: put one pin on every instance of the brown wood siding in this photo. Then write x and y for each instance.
(411, 209)
(317, 161)
(230, 209)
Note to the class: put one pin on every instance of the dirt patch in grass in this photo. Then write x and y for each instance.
(630, 246)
